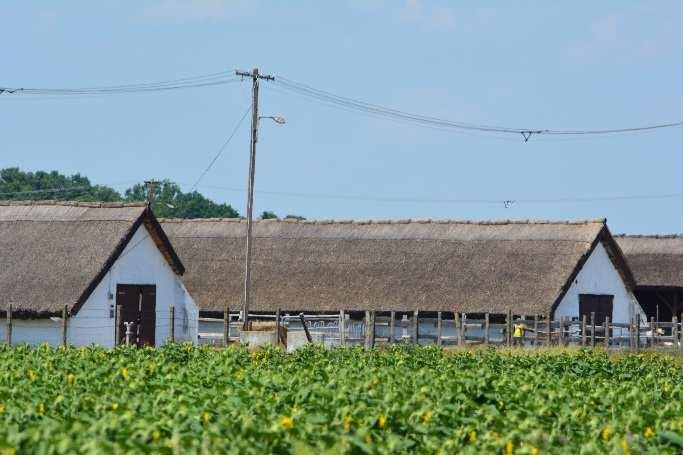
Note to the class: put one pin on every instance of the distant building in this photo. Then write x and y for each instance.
(528, 267)
(90, 258)
(657, 265)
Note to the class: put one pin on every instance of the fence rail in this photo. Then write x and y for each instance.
(459, 329)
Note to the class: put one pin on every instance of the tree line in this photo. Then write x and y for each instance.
(169, 199)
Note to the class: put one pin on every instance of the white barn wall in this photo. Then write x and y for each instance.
(140, 263)
(599, 276)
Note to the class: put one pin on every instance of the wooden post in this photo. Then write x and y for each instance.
(637, 332)
(171, 323)
(65, 318)
(674, 332)
(438, 328)
(369, 329)
(486, 329)
(606, 332)
(508, 328)
(583, 330)
(562, 340)
(549, 328)
(652, 331)
(416, 327)
(535, 330)
(463, 328)
(277, 327)
(372, 329)
(458, 328)
(226, 325)
(342, 327)
(117, 326)
(303, 323)
(592, 329)
(392, 326)
(9, 324)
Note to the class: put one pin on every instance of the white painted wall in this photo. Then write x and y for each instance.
(599, 276)
(140, 263)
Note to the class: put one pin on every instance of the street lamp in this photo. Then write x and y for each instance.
(276, 118)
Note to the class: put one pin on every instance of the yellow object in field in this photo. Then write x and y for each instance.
(518, 331)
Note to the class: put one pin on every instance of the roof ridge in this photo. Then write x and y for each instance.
(402, 221)
(649, 236)
(73, 203)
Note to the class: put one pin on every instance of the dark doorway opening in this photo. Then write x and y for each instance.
(600, 304)
(137, 304)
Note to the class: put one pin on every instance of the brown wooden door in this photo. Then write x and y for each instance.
(601, 304)
(138, 305)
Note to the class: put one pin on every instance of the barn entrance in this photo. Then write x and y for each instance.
(600, 304)
(137, 304)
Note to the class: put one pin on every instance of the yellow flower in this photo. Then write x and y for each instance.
(472, 437)
(32, 375)
(347, 423)
(11, 451)
(666, 387)
(156, 435)
(626, 450)
(70, 379)
(375, 382)
(124, 373)
(427, 416)
(382, 421)
(2, 408)
(206, 417)
(605, 434)
(41, 408)
(533, 450)
(46, 346)
(287, 422)
(649, 433)
(509, 448)
(114, 406)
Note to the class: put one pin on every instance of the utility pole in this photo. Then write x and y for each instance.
(255, 77)
(151, 191)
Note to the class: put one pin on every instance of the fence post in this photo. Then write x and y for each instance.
(486, 329)
(674, 331)
(652, 332)
(277, 327)
(171, 322)
(561, 336)
(342, 324)
(372, 329)
(226, 325)
(637, 332)
(438, 328)
(606, 332)
(9, 324)
(535, 330)
(463, 326)
(367, 329)
(592, 329)
(416, 327)
(458, 328)
(508, 328)
(583, 330)
(303, 323)
(65, 315)
(117, 326)
(392, 326)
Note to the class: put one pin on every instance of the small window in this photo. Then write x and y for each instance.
(600, 304)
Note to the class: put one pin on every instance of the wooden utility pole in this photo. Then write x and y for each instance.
(65, 317)
(255, 77)
(151, 191)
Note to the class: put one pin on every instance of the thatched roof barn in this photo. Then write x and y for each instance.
(525, 266)
(657, 265)
(74, 254)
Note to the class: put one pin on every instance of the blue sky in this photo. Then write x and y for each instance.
(558, 65)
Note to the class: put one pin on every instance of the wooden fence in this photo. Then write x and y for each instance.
(460, 329)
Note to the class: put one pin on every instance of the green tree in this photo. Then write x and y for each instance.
(266, 215)
(40, 185)
(171, 202)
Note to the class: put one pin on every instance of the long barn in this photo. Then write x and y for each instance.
(528, 267)
(102, 264)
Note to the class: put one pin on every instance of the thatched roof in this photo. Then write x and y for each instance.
(656, 261)
(392, 265)
(54, 253)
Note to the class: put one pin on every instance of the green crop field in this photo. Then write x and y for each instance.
(181, 399)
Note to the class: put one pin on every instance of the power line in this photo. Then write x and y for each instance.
(423, 120)
(506, 202)
(221, 149)
(207, 80)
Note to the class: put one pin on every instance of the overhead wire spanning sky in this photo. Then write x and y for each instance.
(540, 69)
